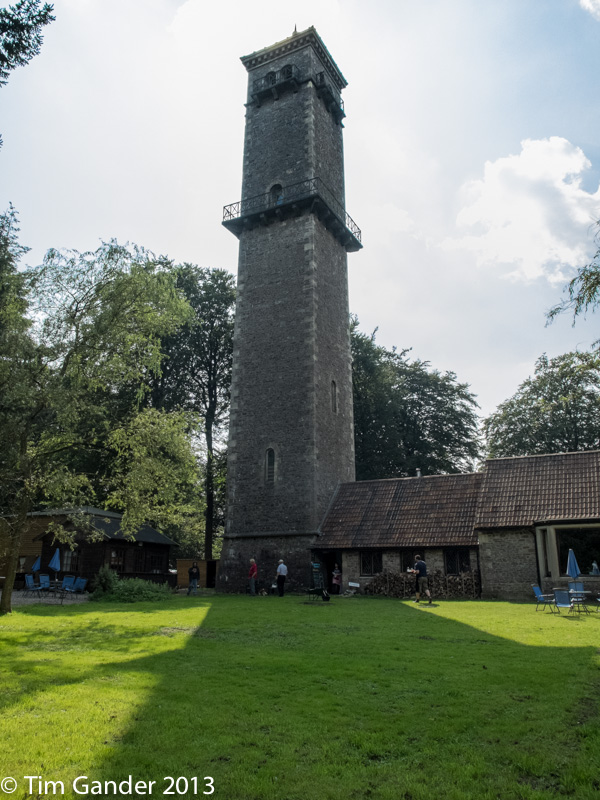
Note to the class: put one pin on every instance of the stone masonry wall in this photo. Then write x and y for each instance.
(266, 550)
(293, 137)
(291, 341)
(508, 564)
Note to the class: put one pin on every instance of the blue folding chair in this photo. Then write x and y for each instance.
(77, 587)
(542, 599)
(563, 599)
(45, 583)
(579, 596)
(31, 587)
(66, 586)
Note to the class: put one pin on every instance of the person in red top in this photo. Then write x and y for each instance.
(252, 575)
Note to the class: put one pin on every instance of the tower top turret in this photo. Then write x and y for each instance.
(297, 41)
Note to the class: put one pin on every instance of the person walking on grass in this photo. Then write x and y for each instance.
(252, 575)
(282, 572)
(194, 574)
(420, 568)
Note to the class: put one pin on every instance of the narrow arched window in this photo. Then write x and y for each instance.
(334, 404)
(276, 194)
(270, 467)
(270, 79)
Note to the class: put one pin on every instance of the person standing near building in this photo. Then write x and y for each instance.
(194, 574)
(336, 579)
(282, 572)
(252, 576)
(420, 568)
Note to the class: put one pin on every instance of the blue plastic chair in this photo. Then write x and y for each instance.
(563, 599)
(579, 597)
(45, 583)
(78, 586)
(65, 587)
(31, 587)
(542, 599)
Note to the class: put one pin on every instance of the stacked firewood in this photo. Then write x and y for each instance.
(403, 584)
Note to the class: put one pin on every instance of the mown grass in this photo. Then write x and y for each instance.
(279, 698)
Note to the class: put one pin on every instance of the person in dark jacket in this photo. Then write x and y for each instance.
(194, 574)
(420, 568)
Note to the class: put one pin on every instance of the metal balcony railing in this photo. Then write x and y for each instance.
(296, 194)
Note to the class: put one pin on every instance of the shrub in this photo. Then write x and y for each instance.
(105, 581)
(133, 590)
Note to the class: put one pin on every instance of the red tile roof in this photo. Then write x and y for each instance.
(536, 489)
(403, 512)
(447, 510)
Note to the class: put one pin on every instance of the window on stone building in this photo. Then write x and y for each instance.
(270, 467)
(457, 560)
(585, 543)
(371, 562)
(407, 560)
(286, 72)
(334, 403)
(271, 78)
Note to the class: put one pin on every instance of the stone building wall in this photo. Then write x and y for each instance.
(391, 561)
(508, 564)
(266, 550)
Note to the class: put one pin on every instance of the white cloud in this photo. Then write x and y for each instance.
(593, 6)
(529, 212)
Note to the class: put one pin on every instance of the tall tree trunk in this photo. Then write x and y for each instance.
(209, 489)
(16, 527)
(14, 548)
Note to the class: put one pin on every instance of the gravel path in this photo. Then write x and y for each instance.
(24, 599)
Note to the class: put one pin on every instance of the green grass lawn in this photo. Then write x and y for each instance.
(289, 700)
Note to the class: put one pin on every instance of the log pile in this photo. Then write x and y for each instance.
(402, 584)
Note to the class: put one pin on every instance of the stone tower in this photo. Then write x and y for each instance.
(291, 437)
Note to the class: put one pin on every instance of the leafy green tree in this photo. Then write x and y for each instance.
(21, 35)
(583, 290)
(13, 302)
(408, 416)
(196, 374)
(555, 411)
(94, 325)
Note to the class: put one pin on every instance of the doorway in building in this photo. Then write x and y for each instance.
(211, 574)
(329, 558)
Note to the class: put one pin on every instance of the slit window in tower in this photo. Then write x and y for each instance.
(334, 397)
(270, 467)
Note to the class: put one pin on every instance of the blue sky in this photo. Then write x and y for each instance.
(472, 148)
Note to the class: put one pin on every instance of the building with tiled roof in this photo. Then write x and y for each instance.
(145, 554)
(511, 524)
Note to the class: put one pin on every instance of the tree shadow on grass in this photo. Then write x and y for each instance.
(378, 702)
